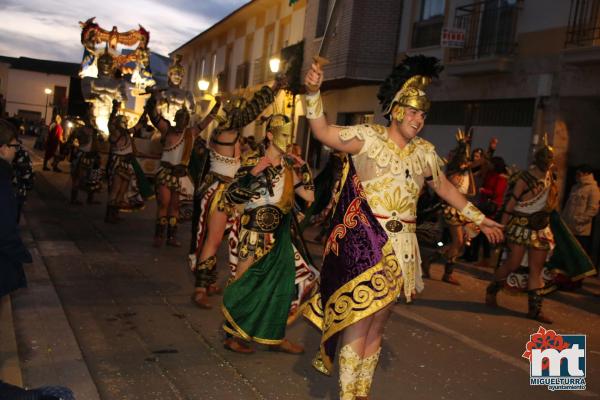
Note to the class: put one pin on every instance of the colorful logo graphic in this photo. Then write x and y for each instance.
(556, 361)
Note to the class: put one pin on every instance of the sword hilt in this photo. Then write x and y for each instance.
(320, 61)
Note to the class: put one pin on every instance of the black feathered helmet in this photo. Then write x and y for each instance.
(404, 87)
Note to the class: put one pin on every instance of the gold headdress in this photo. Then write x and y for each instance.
(544, 154)
(280, 126)
(412, 94)
(405, 86)
(176, 66)
(460, 161)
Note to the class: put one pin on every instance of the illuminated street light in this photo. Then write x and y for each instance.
(48, 93)
(203, 85)
(274, 64)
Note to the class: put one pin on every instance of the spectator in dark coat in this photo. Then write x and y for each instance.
(13, 252)
(12, 392)
(22, 178)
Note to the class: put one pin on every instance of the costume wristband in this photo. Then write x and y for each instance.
(307, 179)
(472, 213)
(314, 105)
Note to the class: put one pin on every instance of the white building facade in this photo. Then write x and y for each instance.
(35, 89)
(233, 55)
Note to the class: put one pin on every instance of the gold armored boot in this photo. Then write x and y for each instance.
(366, 371)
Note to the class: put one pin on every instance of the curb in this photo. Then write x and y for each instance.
(49, 352)
(10, 370)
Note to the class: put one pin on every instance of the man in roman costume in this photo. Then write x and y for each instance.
(86, 172)
(272, 276)
(533, 227)
(128, 187)
(461, 229)
(210, 223)
(372, 253)
(178, 141)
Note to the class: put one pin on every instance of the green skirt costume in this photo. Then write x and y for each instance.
(256, 305)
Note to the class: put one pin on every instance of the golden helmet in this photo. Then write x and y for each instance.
(280, 126)
(543, 158)
(405, 86)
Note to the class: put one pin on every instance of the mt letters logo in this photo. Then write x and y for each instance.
(556, 361)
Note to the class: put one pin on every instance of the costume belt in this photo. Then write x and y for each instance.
(537, 221)
(178, 171)
(398, 225)
(125, 157)
(222, 178)
(264, 219)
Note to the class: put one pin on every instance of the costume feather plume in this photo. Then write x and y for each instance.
(409, 67)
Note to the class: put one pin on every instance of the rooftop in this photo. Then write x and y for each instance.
(44, 66)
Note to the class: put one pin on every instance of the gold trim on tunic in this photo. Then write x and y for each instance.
(359, 298)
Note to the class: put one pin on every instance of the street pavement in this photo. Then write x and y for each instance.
(131, 332)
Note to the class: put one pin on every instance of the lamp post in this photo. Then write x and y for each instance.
(204, 100)
(274, 64)
(203, 85)
(48, 93)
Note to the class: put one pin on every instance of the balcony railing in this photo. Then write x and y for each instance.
(584, 24)
(490, 28)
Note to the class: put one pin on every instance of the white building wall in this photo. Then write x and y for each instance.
(25, 91)
(220, 66)
(297, 26)
(206, 46)
(259, 40)
(408, 8)
(271, 15)
(250, 25)
(360, 99)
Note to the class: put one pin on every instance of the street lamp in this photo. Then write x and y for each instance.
(203, 85)
(48, 93)
(205, 98)
(274, 64)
